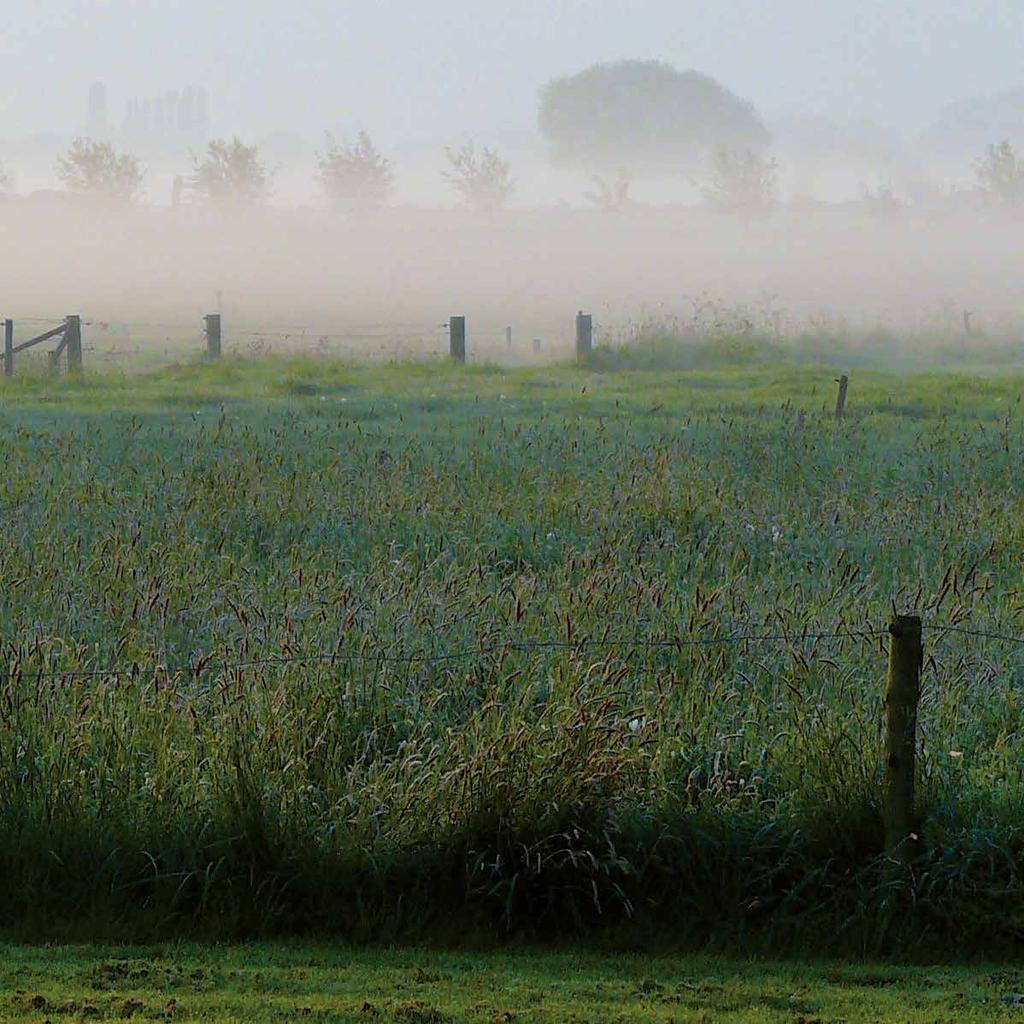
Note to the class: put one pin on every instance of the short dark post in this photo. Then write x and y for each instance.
(844, 383)
(457, 338)
(8, 348)
(73, 343)
(584, 335)
(967, 321)
(508, 337)
(902, 692)
(212, 335)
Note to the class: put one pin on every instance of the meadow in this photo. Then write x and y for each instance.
(473, 655)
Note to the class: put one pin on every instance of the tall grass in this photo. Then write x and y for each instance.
(252, 515)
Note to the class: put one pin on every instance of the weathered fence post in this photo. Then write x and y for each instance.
(8, 348)
(73, 343)
(844, 383)
(584, 335)
(457, 338)
(212, 335)
(902, 692)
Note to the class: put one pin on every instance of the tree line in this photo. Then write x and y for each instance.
(356, 177)
(353, 175)
(613, 119)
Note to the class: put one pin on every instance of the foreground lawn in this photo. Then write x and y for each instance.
(186, 983)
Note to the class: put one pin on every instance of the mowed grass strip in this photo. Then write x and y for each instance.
(319, 983)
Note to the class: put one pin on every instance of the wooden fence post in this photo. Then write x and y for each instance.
(212, 335)
(843, 383)
(508, 337)
(584, 335)
(457, 338)
(902, 693)
(73, 343)
(8, 348)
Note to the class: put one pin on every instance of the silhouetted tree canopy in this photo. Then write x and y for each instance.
(644, 112)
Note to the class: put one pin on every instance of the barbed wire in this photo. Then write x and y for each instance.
(980, 633)
(381, 657)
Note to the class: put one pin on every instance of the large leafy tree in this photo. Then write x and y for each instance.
(96, 169)
(645, 113)
(230, 171)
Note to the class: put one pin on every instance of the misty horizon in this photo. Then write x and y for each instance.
(345, 67)
(857, 184)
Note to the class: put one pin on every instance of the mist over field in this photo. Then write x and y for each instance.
(868, 121)
(528, 269)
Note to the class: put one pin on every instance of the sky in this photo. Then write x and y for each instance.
(414, 71)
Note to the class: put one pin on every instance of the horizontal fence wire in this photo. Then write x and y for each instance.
(979, 633)
(380, 655)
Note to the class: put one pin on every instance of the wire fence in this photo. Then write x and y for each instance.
(381, 656)
(151, 342)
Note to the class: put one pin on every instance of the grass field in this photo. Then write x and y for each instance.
(393, 652)
(274, 983)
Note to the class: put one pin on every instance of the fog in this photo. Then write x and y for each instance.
(391, 282)
(878, 114)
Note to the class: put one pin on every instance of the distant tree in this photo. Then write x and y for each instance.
(1000, 174)
(612, 197)
(97, 169)
(647, 112)
(484, 179)
(230, 171)
(741, 183)
(355, 176)
(880, 202)
(6, 182)
(973, 121)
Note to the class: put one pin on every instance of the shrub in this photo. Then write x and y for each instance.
(741, 182)
(483, 179)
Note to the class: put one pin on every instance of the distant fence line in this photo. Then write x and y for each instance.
(68, 334)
